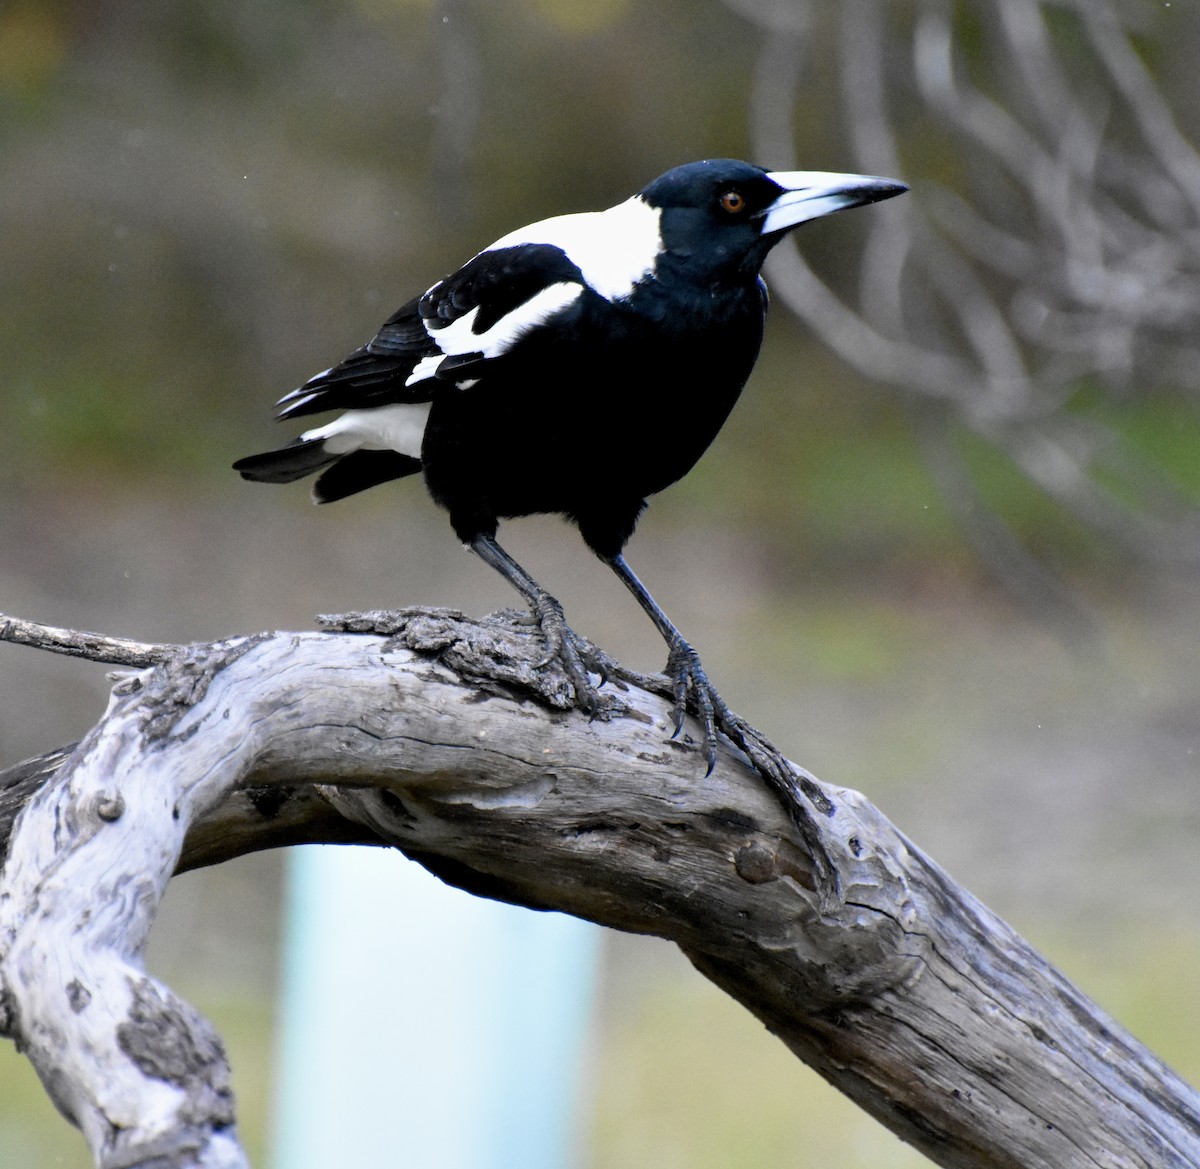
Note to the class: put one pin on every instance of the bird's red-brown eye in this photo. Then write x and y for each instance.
(734, 202)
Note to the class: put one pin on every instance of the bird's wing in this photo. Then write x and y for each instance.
(453, 332)
(373, 375)
(476, 316)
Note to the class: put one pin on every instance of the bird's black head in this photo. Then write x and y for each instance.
(722, 216)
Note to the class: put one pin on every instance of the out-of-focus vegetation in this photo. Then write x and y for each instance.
(202, 205)
(199, 208)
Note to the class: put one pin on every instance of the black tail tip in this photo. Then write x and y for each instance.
(286, 465)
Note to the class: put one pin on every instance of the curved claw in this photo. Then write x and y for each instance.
(681, 666)
(688, 678)
(795, 791)
(563, 647)
(680, 708)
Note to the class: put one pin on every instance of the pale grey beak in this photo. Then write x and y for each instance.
(809, 194)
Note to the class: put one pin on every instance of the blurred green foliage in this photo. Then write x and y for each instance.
(687, 1081)
(34, 1136)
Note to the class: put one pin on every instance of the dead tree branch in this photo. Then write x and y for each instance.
(442, 737)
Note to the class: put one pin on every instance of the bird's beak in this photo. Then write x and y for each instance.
(809, 194)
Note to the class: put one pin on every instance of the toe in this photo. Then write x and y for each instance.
(564, 647)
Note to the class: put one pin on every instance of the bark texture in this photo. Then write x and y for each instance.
(446, 738)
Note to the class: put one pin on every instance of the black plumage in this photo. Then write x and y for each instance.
(577, 366)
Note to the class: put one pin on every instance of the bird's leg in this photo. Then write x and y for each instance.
(796, 789)
(562, 643)
(683, 664)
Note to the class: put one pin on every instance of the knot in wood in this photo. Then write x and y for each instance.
(758, 864)
(110, 806)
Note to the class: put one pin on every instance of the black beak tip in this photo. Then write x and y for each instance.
(885, 189)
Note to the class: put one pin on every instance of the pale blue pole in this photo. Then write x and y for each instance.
(424, 1027)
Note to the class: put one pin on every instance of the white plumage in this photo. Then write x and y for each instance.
(459, 336)
(398, 427)
(615, 249)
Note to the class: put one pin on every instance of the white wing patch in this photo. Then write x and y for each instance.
(399, 427)
(614, 249)
(427, 367)
(459, 336)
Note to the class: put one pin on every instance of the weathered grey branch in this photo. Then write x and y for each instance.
(78, 643)
(443, 738)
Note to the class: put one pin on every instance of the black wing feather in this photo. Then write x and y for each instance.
(373, 375)
(494, 282)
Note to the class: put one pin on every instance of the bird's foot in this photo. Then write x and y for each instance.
(692, 689)
(576, 655)
(799, 793)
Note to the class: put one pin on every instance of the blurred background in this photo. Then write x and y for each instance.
(944, 552)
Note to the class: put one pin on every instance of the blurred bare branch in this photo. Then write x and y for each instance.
(1050, 250)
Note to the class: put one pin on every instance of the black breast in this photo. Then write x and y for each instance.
(609, 405)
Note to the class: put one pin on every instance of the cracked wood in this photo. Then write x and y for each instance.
(441, 736)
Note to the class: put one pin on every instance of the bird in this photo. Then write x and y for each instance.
(576, 366)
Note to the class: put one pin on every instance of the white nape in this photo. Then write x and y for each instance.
(615, 249)
(399, 427)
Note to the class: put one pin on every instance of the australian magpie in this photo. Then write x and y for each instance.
(575, 366)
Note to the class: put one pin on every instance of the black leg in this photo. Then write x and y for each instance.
(796, 789)
(562, 644)
(683, 664)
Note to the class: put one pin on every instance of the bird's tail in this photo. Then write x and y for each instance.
(286, 465)
(343, 474)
